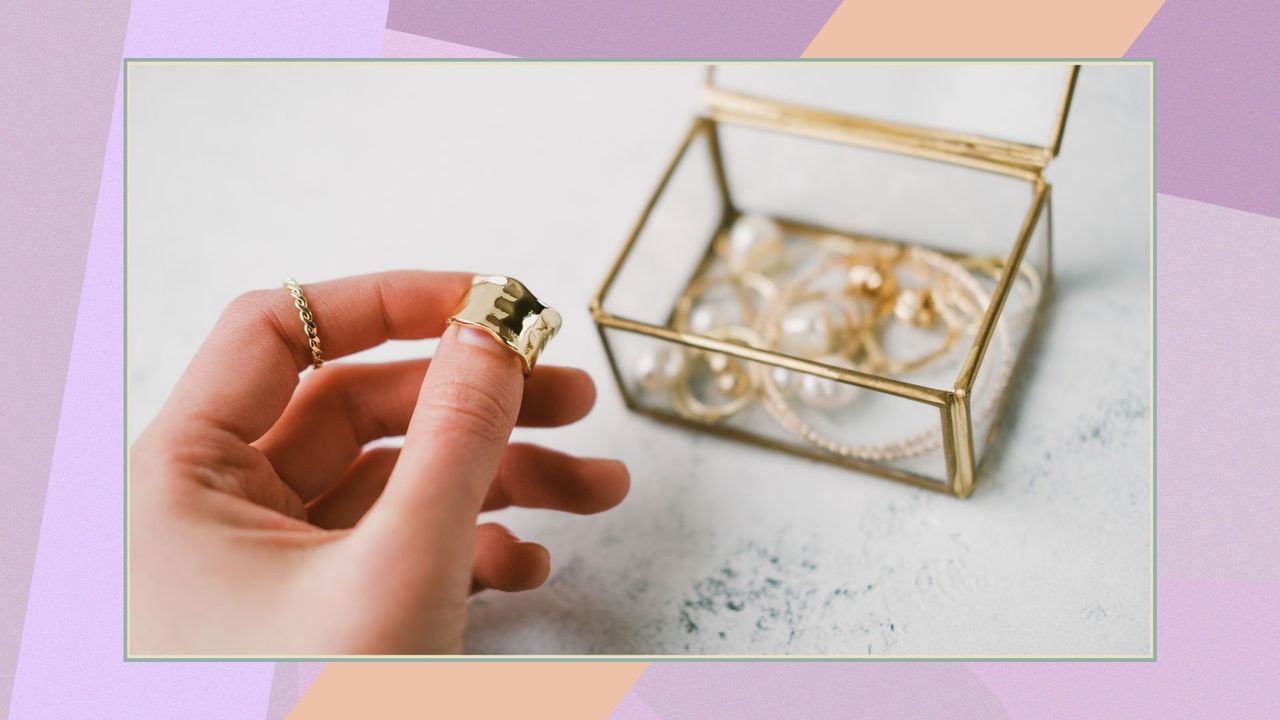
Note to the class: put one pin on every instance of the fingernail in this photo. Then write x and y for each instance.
(477, 338)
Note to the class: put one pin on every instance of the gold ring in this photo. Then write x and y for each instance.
(690, 406)
(504, 308)
(308, 321)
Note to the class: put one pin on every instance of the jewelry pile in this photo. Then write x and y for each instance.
(856, 303)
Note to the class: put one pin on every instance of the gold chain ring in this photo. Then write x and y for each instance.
(308, 321)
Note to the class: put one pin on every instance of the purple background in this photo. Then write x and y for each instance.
(593, 29)
(61, 295)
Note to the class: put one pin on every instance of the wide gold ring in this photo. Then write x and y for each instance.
(504, 308)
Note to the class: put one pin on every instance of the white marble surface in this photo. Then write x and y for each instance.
(240, 175)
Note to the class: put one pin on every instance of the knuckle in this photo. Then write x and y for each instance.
(253, 308)
(158, 463)
(248, 305)
(269, 311)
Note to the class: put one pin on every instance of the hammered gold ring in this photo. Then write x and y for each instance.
(308, 321)
(504, 308)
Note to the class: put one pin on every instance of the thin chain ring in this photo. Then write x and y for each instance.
(308, 321)
(884, 363)
(755, 282)
(688, 404)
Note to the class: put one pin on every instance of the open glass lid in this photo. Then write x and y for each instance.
(1003, 113)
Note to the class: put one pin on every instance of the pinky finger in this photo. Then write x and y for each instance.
(504, 562)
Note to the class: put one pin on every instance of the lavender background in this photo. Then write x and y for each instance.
(1218, 360)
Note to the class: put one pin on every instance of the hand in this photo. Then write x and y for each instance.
(260, 525)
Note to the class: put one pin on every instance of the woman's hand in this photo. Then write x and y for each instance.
(260, 525)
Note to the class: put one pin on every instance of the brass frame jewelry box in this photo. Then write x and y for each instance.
(849, 287)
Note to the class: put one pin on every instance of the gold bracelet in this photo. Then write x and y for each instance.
(919, 443)
(951, 294)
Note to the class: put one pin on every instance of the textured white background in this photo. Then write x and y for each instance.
(240, 175)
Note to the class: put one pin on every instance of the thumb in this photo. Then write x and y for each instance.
(466, 409)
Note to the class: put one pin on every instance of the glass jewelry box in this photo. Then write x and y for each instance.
(824, 270)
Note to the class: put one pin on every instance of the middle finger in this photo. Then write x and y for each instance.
(529, 476)
(342, 407)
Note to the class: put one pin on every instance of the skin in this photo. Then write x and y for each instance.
(259, 523)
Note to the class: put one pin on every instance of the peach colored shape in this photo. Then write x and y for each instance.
(471, 689)
(982, 28)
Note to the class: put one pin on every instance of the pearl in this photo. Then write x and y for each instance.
(660, 368)
(706, 318)
(718, 362)
(733, 383)
(755, 243)
(827, 394)
(809, 330)
(817, 327)
(784, 379)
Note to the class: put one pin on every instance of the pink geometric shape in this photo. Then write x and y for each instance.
(633, 708)
(58, 70)
(886, 691)
(253, 28)
(71, 662)
(1218, 100)
(396, 44)
(1218, 377)
(1216, 658)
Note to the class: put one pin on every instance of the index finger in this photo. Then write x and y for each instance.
(244, 373)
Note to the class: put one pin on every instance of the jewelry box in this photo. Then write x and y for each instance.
(845, 261)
